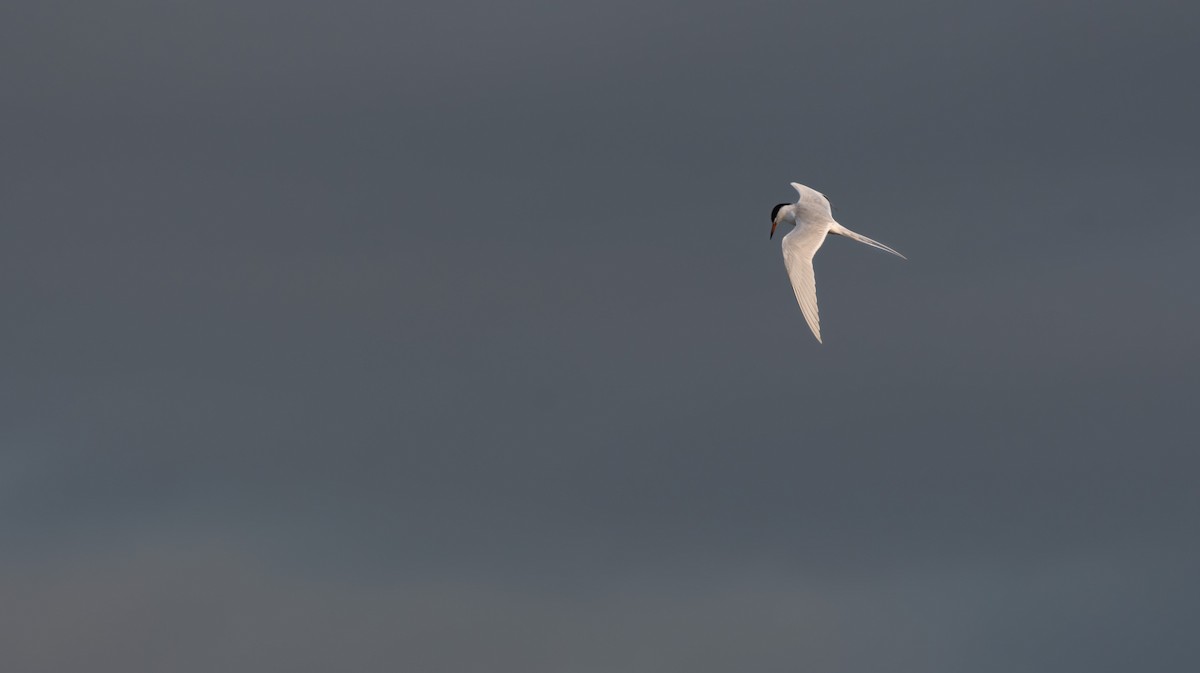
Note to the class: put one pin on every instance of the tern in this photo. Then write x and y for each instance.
(812, 220)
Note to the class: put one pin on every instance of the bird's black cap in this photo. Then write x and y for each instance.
(775, 210)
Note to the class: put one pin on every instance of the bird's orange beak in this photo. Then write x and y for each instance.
(773, 229)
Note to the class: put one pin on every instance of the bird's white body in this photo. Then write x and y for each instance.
(813, 220)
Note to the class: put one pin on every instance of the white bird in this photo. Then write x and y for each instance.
(813, 220)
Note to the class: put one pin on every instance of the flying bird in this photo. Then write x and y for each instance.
(813, 220)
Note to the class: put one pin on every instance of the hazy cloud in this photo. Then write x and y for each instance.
(448, 337)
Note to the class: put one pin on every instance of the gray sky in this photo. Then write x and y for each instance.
(448, 337)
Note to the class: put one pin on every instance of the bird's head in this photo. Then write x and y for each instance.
(776, 218)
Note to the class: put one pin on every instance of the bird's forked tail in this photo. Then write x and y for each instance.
(842, 231)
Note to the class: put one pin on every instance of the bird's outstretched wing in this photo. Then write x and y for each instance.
(799, 246)
(811, 198)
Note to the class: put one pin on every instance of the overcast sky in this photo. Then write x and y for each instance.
(448, 337)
